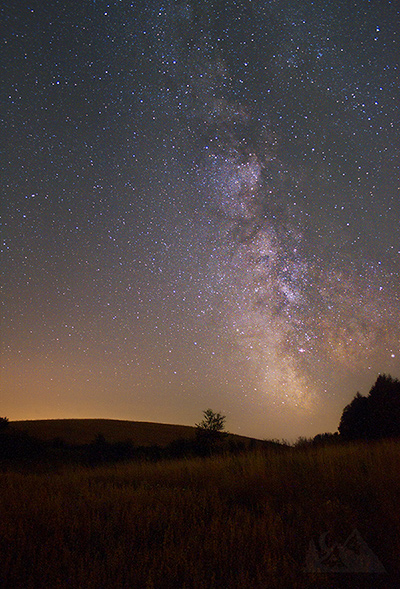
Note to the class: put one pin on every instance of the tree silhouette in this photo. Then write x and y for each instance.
(355, 417)
(212, 422)
(209, 431)
(375, 416)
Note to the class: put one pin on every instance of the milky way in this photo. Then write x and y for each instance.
(296, 304)
(200, 208)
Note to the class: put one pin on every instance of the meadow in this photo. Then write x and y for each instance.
(244, 521)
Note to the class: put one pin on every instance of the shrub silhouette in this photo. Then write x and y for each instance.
(375, 416)
(18, 445)
(325, 438)
(4, 424)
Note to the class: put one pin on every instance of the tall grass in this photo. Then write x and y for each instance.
(238, 522)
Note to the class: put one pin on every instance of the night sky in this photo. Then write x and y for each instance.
(200, 208)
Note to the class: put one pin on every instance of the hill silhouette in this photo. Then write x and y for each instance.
(83, 431)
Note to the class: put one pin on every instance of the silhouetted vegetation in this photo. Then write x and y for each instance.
(375, 416)
(4, 424)
(243, 521)
(366, 418)
(212, 422)
(326, 438)
(209, 511)
(210, 434)
(18, 448)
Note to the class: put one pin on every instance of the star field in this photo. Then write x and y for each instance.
(200, 207)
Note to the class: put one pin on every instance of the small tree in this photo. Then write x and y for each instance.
(210, 431)
(212, 422)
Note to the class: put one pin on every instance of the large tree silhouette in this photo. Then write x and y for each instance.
(375, 416)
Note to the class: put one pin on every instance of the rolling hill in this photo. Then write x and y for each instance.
(84, 431)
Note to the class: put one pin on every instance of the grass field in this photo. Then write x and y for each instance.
(241, 522)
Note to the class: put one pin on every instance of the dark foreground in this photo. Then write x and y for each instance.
(306, 517)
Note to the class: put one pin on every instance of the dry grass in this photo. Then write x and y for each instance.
(240, 522)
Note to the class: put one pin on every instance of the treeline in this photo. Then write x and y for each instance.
(374, 416)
